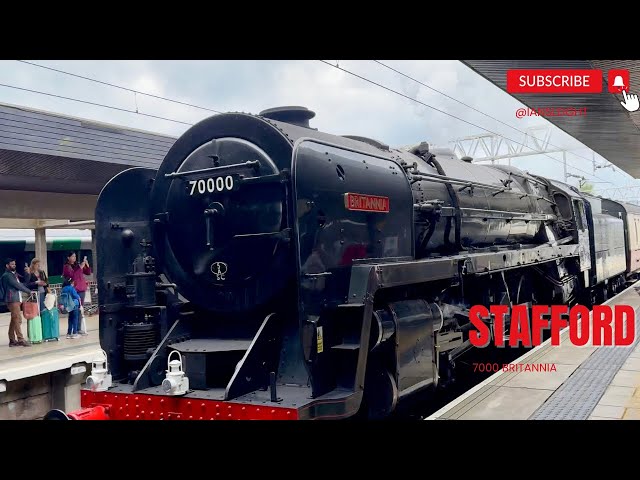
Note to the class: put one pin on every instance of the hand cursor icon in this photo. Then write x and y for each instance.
(630, 102)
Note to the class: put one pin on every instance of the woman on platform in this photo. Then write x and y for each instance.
(75, 271)
(36, 280)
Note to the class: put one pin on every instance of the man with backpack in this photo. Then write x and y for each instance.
(11, 291)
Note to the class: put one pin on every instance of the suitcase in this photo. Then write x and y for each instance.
(34, 324)
(50, 324)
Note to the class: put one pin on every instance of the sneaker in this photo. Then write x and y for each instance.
(75, 336)
(69, 336)
(84, 334)
(13, 343)
(24, 343)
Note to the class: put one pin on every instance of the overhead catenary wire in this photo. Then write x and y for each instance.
(217, 111)
(94, 103)
(328, 63)
(120, 87)
(451, 115)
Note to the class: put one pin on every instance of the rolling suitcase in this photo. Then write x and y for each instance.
(31, 312)
(50, 321)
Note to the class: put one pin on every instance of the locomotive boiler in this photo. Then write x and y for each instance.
(268, 270)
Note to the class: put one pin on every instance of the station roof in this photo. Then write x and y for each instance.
(48, 152)
(607, 128)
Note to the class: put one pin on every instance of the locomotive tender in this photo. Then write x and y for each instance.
(294, 274)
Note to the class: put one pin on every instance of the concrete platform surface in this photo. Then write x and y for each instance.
(23, 362)
(588, 382)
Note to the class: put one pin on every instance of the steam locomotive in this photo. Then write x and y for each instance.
(268, 270)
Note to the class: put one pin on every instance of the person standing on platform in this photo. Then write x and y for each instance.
(74, 314)
(36, 279)
(76, 271)
(13, 293)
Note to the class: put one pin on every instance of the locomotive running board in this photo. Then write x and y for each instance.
(427, 270)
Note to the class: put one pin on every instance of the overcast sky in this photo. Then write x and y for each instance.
(344, 104)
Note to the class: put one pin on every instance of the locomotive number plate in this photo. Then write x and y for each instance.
(213, 185)
(366, 203)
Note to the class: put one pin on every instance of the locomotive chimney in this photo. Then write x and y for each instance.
(299, 116)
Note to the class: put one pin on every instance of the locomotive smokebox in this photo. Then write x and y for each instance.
(219, 202)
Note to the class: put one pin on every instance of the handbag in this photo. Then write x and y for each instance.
(49, 301)
(30, 310)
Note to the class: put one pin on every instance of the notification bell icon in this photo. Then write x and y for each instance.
(618, 81)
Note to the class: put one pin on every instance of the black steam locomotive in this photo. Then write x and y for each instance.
(268, 270)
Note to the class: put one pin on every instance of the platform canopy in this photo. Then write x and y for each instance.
(53, 166)
(52, 153)
(607, 128)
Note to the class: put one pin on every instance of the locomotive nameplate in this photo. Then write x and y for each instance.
(366, 203)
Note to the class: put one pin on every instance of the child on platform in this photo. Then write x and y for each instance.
(68, 288)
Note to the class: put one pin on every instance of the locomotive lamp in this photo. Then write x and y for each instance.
(100, 379)
(175, 383)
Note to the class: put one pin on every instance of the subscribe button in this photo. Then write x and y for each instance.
(554, 81)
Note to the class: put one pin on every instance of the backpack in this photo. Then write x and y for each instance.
(66, 303)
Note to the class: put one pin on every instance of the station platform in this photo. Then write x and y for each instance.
(587, 383)
(35, 379)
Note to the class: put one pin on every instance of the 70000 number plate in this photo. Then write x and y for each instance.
(223, 184)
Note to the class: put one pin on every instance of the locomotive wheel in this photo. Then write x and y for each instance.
(381, 394)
